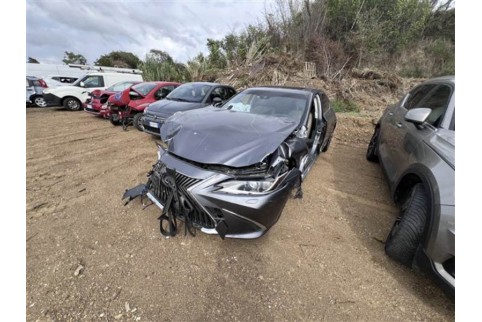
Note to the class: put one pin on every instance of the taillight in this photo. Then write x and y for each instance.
(42, 83)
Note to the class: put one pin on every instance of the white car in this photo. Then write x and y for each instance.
(72, 96)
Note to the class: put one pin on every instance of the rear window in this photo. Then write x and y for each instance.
(144, 88)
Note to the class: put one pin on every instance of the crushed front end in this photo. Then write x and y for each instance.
(231, 202)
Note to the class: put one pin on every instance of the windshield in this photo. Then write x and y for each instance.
(190, 93)
(144, 88)
(266, 102)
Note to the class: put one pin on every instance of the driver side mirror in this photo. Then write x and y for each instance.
(217, 101)
(417, 116)
(82, 84)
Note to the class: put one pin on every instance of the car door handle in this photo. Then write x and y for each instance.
(399, 124)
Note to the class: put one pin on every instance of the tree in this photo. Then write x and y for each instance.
(72, 58)
(159, 65)
(33, 61)
(120, 59)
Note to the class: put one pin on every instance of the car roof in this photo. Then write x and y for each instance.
(449, 78)
(302, 90)
(202, 83)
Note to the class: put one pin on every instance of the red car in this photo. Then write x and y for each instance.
(96, 104)
(134, 100)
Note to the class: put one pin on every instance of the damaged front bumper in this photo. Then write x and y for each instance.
(196, 196)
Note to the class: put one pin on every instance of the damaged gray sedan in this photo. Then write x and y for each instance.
(229, 170)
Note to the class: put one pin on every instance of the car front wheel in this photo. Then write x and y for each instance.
(137, 120)
(72, 104)
(114, 119)
(407, 231)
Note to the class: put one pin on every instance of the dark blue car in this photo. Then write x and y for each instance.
(186, 97)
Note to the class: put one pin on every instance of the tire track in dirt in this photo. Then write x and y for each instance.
(323, 260)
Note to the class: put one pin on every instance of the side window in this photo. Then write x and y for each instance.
(437, 101)
(163, 91)
(417, 95)
(220, 92)
(94, 81)
(231, 92)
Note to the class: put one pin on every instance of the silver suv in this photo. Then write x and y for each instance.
(414, 141)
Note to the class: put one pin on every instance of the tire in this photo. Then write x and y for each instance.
(114, 120)
(72, 104)
(39, 101)
(372, 150)
(137, 121)
(407, 231)
(327, 145)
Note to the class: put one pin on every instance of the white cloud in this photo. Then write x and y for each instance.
(94, 28)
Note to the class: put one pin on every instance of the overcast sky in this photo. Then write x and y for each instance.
(94, 28)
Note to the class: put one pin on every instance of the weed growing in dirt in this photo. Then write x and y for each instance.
(345, 106)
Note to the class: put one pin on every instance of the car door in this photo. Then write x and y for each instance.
(409, 137)
(391, 127)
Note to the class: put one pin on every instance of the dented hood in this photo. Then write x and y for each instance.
(223, 137)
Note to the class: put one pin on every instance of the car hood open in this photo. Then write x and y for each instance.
(222, 137)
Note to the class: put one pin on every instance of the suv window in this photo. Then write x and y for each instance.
(93, 81)
(417, 95)
(437, 101)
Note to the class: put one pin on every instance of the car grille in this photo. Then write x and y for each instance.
(197, 216)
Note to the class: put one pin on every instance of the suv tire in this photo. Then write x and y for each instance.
(407, 231)
(372, 150)
(39, 101)
(72, 104)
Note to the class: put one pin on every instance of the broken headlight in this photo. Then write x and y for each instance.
(251, 187)
(247, 186)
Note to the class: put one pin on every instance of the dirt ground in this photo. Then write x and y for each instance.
(89, 258)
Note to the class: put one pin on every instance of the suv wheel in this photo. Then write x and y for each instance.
(407, 231)
(39, 101)
(72, 104)
(372, 151)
